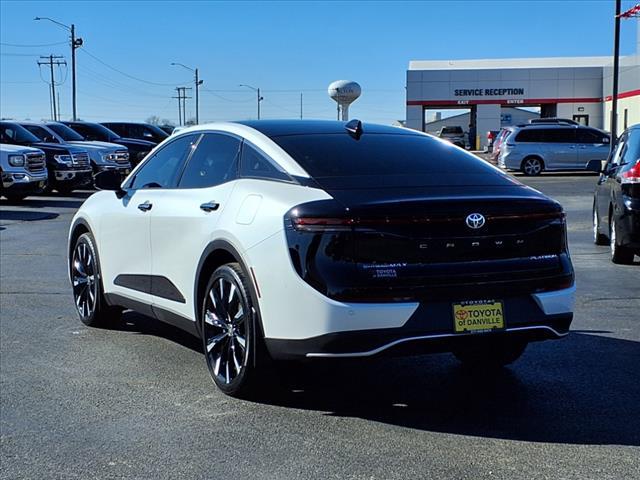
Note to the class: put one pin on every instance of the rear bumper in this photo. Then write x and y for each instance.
(429, 329)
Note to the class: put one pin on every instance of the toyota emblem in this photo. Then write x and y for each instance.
(475, 221)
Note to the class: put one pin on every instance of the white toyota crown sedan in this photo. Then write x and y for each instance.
(290, 240)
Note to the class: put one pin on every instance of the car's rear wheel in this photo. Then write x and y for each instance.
(490, 353)
(230, 332)
(532, 166)
(87, 285)
(619, 253)
(598, 238)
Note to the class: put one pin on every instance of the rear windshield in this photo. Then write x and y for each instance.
(65, 132)
(341, 155)
(456, 130)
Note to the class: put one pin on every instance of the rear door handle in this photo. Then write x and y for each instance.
(210, 206)
(146, 206)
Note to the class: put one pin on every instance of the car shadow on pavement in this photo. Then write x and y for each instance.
(558, 174)
(44, 202)
(25, 215)
(582, 390)
(137, 323)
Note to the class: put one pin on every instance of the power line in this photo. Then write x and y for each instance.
(124, 73)
(20, 45)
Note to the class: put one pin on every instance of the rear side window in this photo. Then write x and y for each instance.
(530, 135)
(560, 135)
(163, 168)
(546, 135)
(214, 162)
(586, 135)
(255, 164)
(407, 155)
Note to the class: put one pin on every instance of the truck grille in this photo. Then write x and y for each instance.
(80, 159)
(36, 162)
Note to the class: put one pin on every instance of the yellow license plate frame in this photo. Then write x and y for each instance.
(478, 316)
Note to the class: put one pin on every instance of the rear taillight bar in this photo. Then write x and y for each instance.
(337, 224)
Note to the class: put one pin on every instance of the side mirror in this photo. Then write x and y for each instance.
(109, 180)
(595, 166)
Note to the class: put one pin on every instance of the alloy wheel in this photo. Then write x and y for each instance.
(532, 166)
(225, 330)
(83, 275)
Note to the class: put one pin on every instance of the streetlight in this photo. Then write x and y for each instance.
(75, 43)
(198, 83)
(257, 90)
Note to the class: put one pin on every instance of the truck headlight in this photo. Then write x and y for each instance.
(108, 157)
(16, 160)
(64, 159)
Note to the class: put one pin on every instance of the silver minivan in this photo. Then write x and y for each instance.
(537, 147)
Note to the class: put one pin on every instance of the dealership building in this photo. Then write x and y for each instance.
(577, 88)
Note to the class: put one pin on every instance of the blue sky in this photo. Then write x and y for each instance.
(285, 48)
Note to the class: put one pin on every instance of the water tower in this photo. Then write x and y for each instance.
(344, 92)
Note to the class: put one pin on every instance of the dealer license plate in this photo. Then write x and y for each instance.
(478, 316)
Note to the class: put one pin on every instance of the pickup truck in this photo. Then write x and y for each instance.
(23, 170)
(103, 155)
(68, 165)
(138, 149)
(454, 135)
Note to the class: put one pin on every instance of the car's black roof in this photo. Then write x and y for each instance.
(276, 128)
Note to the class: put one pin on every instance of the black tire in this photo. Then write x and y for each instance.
(532, 166)
(619, 253)
(490, 353)
(231, 336)
(87, 287)
(598, 238)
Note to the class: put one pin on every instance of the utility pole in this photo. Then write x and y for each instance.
(616, 62)
(198, 82)
(260, 98)
(75, 43)
(182, 110)
(51, 61)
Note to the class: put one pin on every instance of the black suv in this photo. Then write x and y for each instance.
(138, 149)
(141, 131)
(616, 203)
(69, 167)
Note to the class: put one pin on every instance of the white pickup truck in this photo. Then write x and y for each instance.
(23, 170)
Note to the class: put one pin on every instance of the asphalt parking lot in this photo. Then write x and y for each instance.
(136, 401)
